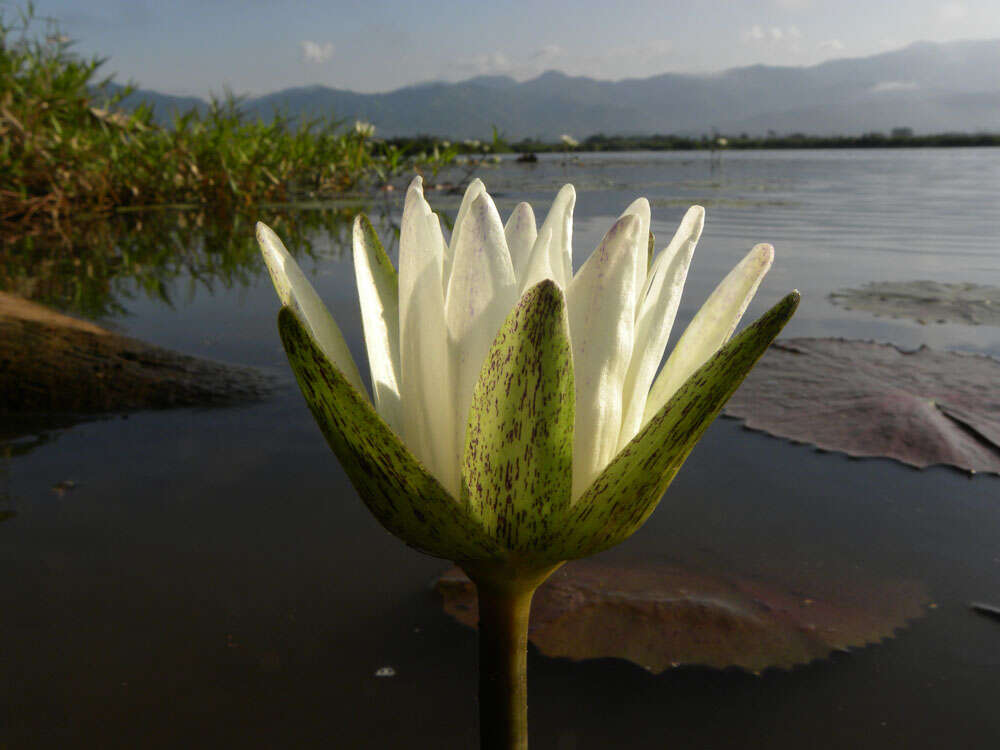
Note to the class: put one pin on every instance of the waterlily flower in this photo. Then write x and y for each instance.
(516, 419)
(516, 414)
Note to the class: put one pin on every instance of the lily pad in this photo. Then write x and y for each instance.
(923, 407)
(925, 301)
(661, 616)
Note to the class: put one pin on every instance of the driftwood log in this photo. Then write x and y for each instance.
(50, 362)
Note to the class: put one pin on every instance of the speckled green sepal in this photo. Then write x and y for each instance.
(517, 468)
(399, 492)
(628, 490)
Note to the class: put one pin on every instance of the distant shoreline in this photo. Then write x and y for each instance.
(899, 138)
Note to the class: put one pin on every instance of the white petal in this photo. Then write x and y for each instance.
(711, 326)
(378, 293)
(521, 234)
(481, 293)
(655, 318)
(640, 208)
(294, 290)
(552, 254)
(601, 301)
(424, 352)
(473, 191)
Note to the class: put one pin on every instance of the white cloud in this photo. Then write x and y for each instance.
(316, 52)
(785, 39)
(832, 45)
(486, 64)
(547, 52)
(953, 11)
(884, 86)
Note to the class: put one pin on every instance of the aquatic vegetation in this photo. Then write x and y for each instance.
(516, 419)
(68, 149)
(925, 301)
(923, 407)
(661, 616)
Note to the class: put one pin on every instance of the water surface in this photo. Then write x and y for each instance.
(212, 579)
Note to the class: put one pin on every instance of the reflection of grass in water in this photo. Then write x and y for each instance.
(91, 268)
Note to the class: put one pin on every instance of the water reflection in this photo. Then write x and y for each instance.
(93, 269)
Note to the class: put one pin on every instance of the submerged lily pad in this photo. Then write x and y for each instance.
(661, 616)
(866, 399)
(925, 301)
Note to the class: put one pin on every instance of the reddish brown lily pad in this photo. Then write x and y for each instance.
(661, 616)
(866, 399)
(925, 301)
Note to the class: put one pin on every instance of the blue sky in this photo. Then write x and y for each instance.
(254, 46)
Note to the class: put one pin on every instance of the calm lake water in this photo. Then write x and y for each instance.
(212, 579)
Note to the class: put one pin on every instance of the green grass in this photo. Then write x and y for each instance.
(69, 152)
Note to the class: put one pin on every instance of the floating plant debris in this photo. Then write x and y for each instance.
(866, 399)
(925, 301)
(660, 616)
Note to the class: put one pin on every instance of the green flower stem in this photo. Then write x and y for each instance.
(504, 610)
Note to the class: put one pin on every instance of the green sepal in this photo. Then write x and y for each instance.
(650, 251)
(629, 489)
(399, 492)
(517, 466)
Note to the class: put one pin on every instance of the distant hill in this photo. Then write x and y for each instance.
(925, 86)
(165, 106)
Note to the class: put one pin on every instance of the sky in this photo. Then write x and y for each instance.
(254, 47)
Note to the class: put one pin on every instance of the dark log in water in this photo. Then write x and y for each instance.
(50, 362)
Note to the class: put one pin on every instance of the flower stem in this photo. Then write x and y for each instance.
(503, 669)
(504, 610)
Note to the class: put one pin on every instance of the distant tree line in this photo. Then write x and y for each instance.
(901, 137)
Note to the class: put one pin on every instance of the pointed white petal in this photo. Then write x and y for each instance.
(481, 293)
(640, 208)
(424, 353)
(711, 326)
(601, 301)
(655, 318)
(521, 234)
(378, 293)
(552, 254)
(473, 191)
(294, 290)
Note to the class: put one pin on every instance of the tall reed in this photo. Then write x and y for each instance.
(68, 149)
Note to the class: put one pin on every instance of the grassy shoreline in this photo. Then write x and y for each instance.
(69, 151)
(666, 142)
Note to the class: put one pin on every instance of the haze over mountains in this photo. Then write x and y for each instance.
(925, 86)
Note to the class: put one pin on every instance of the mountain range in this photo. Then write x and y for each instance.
(925, 86)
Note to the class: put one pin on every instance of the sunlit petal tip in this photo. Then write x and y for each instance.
(275, 257)
(622, 232)
(696, 216)
(639, 207)
(763, 254)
